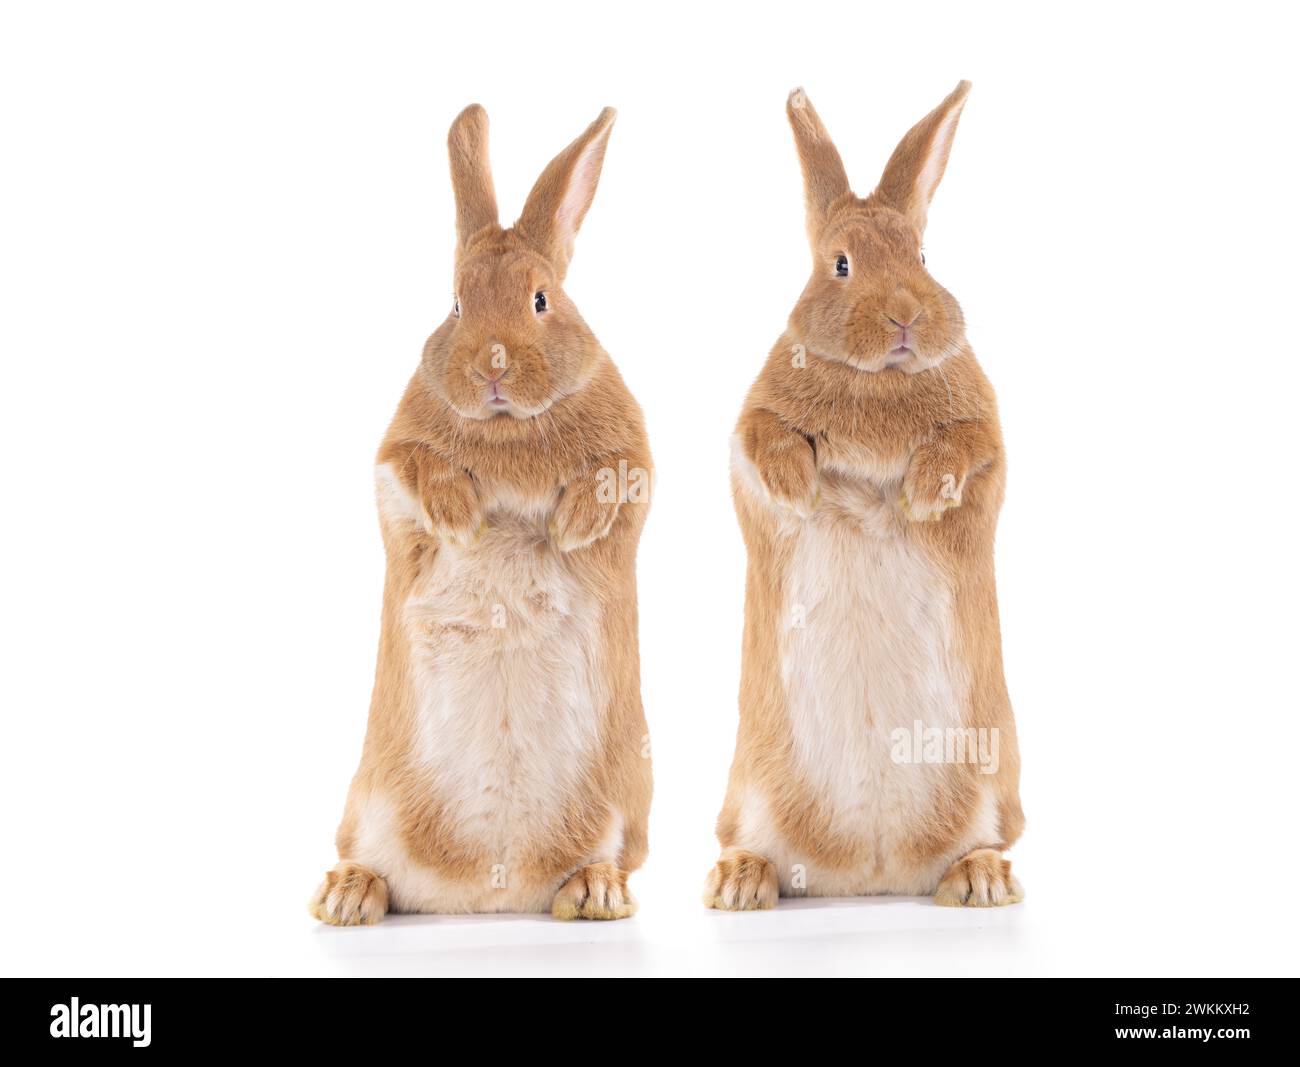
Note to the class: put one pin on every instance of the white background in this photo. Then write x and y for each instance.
(227, 230)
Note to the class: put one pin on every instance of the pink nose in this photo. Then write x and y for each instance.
(493, 374)
(909, 323)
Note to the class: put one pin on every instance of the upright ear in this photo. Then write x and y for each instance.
(913, 171)
(560, 199)
(471, 175)
(824, 180)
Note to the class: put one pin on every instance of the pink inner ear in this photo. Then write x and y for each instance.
(932, 171)
(577, 197)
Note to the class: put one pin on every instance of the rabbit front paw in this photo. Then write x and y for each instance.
(930, 488)
(450, 510)
(790, 477)
(581, 517)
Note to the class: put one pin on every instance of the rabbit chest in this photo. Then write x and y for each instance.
(505, 658)
(868, 647)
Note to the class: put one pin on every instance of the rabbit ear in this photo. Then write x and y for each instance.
(471, 175)
(824, 180)
(913, 171)
(562, 195)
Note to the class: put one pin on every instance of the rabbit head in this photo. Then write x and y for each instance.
(513, 342)
(871, 303)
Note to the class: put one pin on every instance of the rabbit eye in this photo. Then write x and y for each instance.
(539, 302)
(923, 258)
(455, 306)
(841, 266)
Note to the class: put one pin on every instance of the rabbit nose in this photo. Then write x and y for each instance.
(491, 364)
(902, 309)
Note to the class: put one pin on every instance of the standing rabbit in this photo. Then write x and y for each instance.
(867, 475)
(505, 765)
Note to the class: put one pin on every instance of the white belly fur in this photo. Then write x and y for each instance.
(867, 641)
(505, 657)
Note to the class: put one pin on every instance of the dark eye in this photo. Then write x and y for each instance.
(455, 306)
(841, 266)
(923, 258)
(539, 302)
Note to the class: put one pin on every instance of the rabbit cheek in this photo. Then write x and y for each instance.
(821, 323)
(866, 335)
(456, 380)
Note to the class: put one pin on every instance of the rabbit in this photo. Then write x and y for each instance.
(867, 475)
(506, 762)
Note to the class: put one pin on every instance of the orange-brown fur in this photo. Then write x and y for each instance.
(842, 412)
(530, 470)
